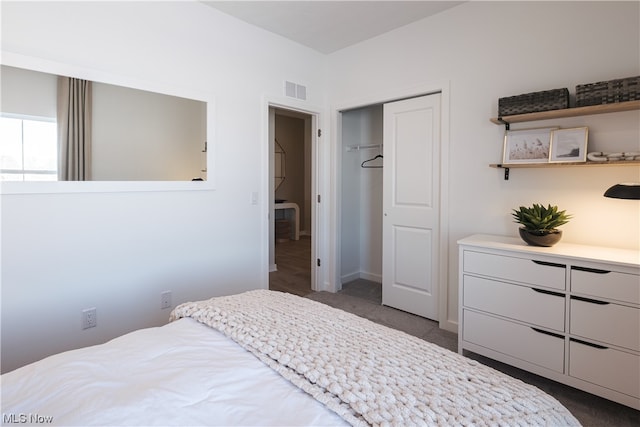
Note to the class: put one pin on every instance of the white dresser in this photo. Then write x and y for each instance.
(570, 312)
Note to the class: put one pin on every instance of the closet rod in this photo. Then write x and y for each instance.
(362, 147)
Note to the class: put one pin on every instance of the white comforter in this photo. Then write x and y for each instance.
(184, 373)
(371, 374)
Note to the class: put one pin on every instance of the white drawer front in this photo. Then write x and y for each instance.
(609, 323)
(514, 340)
(514, 301)
(517, 269)
(607, 367)
(606, 284)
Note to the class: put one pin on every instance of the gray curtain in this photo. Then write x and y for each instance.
(74, 129)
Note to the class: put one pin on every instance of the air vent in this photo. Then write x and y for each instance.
(290, 89)
(301, 92)
(294, 90)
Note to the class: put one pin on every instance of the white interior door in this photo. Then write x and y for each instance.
(411, 194)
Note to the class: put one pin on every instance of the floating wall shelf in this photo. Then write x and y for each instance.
(568, 112)
(561, 114)
(506, 167)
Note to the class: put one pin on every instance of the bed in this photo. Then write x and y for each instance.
(269, 358)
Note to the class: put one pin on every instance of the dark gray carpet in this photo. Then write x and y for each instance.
(362, 298)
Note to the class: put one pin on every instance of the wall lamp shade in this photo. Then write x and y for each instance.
(629, 191)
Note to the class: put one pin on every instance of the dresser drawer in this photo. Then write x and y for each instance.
(522, 270)
(609, 323)
(515, 340)
(613, 369)
(515, 301)
(606, 284)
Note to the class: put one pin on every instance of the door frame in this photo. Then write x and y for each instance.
(267, 185)
(336, 167)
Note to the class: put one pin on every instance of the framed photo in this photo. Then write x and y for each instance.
(569, 145)
(527, 145)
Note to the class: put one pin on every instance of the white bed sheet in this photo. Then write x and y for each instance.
(184, 373)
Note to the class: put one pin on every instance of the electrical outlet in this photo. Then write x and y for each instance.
(89, 318)
(165, 299)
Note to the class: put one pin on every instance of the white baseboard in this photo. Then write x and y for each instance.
(371, 276)
(361, 275)
(449, 325)
(273, 267)
(350, 277)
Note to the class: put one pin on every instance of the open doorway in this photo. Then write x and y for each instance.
(291, 172)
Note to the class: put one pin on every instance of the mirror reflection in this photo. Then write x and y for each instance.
(130, 134)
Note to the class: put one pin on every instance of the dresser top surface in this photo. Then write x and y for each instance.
(627, 257)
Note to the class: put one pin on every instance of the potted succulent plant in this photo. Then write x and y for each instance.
(540, 224)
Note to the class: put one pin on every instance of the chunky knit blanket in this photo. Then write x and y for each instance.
(370, 374)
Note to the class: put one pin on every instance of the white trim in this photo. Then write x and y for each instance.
(350, 277)
(70, 187)
(445, 322)
(443, 87)
(372, 277)
(334, 282)
(267, 207)
(28, 117)
(60, 187)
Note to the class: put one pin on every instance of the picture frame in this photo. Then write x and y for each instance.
(569, 145)
(527, 145)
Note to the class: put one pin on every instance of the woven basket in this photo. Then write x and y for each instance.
(554, 99)
(609, 92)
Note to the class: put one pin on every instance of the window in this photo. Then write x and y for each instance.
(28, 149)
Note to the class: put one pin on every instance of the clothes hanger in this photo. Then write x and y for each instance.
(363, 164)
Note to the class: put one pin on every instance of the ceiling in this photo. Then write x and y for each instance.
(328, 26)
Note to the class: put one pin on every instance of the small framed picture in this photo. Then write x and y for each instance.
(569, 145)
(527, 145)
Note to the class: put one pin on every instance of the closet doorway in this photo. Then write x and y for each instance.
(291, 237)
(390, 201)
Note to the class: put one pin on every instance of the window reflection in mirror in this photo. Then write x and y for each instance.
(28, 149)
(136, 135)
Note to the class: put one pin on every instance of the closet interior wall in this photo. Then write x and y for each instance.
(361, 211)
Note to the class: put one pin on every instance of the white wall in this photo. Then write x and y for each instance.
(349, 215)
(361, 198)
(487, 50)
(371, 197)
(63, 252)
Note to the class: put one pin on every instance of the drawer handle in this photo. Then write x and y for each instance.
(589, 300)
(590, 344)
(544, 291)
(547, 333)
(590, 270)
(549, 264)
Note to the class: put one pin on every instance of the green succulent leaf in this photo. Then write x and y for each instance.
(540, 218)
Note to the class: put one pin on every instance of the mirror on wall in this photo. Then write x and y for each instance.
(137, 135)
